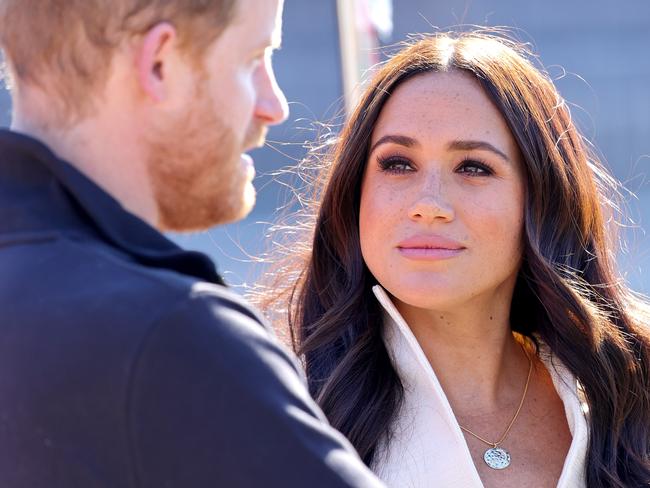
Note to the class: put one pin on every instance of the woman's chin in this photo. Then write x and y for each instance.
(428, 297)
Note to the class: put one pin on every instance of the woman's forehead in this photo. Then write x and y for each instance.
(435, 106)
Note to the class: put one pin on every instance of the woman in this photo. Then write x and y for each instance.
(459, 312)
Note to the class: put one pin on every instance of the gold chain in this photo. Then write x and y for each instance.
(521, 403)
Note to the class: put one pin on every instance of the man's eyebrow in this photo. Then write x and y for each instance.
(405, 141)
(462, 145)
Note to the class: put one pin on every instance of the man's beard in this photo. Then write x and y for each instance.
(195, 170)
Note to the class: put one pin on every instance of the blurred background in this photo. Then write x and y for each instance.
(596, 50)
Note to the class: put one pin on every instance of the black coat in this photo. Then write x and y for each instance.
(125, 362)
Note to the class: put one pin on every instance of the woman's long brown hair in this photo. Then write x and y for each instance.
(568, 292)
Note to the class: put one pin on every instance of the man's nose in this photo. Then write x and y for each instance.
(272, 107)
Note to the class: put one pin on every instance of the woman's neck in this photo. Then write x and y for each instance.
(478, 361)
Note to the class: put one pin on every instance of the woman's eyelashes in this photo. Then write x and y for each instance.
(395, 164)
(474, 167)
(471, 167)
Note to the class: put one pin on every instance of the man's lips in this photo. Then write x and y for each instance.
(429, 247)
(256, 138)
(250, 165)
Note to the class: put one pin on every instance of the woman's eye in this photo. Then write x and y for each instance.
(395, 165)
(474, 168)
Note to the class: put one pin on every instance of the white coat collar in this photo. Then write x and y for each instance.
(427, 447)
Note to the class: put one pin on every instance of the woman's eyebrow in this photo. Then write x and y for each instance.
(457, 145)
(405, 141)
(463, 145)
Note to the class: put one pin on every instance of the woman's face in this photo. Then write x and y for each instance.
(442, 197)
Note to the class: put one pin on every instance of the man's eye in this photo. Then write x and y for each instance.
(395, 165)
(257, 60)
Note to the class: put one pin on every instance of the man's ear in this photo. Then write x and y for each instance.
(154, 59)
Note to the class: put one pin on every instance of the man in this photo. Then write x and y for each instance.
(124, 361)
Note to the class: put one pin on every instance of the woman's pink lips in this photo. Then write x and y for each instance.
(429, 248)
(428, 254)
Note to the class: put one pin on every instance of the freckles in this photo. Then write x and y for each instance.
(496, 213)
(387, 201)
(380, 213)
(490, 206)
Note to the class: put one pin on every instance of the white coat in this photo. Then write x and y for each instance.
(427, 447)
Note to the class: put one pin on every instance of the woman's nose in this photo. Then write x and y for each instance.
(431, 205)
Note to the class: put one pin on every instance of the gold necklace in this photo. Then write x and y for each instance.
(496, 457)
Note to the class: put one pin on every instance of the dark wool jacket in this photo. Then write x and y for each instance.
(125, 361)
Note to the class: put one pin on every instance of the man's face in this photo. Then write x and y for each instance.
(199, 172)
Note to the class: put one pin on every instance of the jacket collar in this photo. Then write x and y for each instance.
(23, 157)
(425, 395)
(412, 365)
